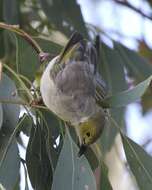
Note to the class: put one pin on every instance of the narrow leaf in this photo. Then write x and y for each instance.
(137, 66)
(9, 171)
(104, 181)
(72, 172)
(2, 49)
(112, 70)
(8, 92)
(1, 115)
(140, 163)
(66, 16)
(126, 97)
(11, 15)
(37, 160)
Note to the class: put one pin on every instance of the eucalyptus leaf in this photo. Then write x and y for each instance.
(126, 97)
(104, 181)
(11, 15)
(2, 49)
(37, 160)
(72, 172)
(1, 115)
(112, 70)
(26, 125)
(8, 93)
(9, 170)
(66, 16)
(1, 10)
(139, 162)
(54, 130)
(28, 58)
(17, 185)
(138, 66)
(2, 187)
(49, 46)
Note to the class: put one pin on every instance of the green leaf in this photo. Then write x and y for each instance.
(72, 172)
(42, 152)
(1, 10)
(54, 129)
(29, 58)
(66, 16)
(1, 115)
(2, 50)
(37, 160)
(137, 66)
(104, 181)
(139, 162)
(9, 170)
(8, 92)
(11, 11)
(17, 185)
(112, 70)
(2, 187)
(26, 125)
(126, 97)
(49, 46)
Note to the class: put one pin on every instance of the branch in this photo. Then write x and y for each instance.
(19, 102)
(126, 4)
(23, 34)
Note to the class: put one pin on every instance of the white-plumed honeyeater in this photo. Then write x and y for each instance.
(71, 87)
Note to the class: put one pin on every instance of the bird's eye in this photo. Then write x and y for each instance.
(88, 134)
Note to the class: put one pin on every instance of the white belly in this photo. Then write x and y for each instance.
(65, 107)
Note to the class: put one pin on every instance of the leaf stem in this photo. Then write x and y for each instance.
(19, 80)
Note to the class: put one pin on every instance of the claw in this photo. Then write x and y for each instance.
(36, 102)
(44, 57)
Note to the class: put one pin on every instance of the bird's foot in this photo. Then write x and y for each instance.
(36, 102)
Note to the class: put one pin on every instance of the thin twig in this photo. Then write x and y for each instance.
(126, 4)
(23, 104)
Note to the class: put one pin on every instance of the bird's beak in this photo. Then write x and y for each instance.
(82, 150)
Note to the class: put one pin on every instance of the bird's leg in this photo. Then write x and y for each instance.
(44, 56)
(36, 102)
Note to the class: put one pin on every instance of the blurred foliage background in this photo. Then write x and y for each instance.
(36, 150)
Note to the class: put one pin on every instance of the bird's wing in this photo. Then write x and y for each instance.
(101, 88)
(101, 91)
(74, 39)
(69, 52)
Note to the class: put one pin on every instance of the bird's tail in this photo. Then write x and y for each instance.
(79, 49)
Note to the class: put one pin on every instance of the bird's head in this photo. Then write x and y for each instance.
(91, 129)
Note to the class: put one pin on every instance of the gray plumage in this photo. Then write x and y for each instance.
(68, 85)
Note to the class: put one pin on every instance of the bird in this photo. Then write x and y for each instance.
(71, 87)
